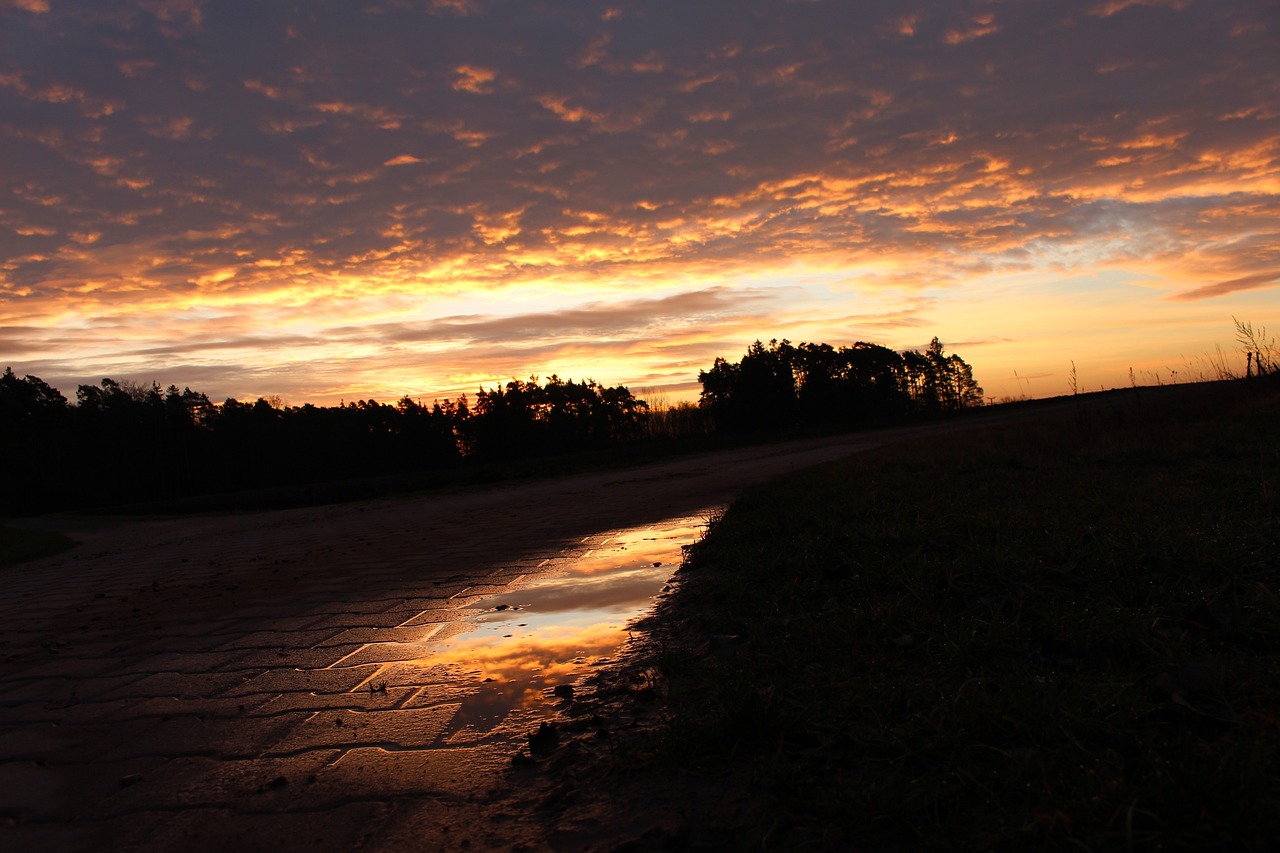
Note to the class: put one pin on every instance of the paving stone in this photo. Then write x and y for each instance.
(193, 735)
(185, 685)
(338, 620)
(197, 782)
(436, 617)
(345, 827)
(272, 640)
(444, 588)
(187, 662)
(67, 743)
(296, 658)
(278, 622)
(203, 628)
(172, 706)
(65, 712)
(334, 680)
(431, 695)
(416, 600)
(512, 575)
(29, 791)
(446, 773)
(481, 590)
(392, 697)
(413, 674)
(71, 660)
(64, 690)
(384, 653)
(350, 607)
(288, 616)
(420, 727)
(364, 636)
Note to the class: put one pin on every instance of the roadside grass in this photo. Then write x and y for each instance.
(18, 545)
(1054, 635)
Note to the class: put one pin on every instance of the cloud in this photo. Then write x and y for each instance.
(474, 79)
(594, 321)
(35, 7)
(164, 155)
(981, 25)
(1113, 7)
(1223, 288)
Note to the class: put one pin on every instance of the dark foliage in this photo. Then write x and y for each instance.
(782, 385)
(526, 418)
(122, 444)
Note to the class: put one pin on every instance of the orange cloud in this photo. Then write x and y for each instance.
(35, 7)
(1222, 288)
(474, 79)
(1112, 7)
(982, 25)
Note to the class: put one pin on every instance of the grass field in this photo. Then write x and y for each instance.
(18, 545)
(1057, 635)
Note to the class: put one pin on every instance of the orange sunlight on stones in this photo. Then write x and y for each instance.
(455, 772)
(365, 700)
(305, 680)
(415, 728)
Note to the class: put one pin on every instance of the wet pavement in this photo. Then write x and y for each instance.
(133, 728)
(334, 678)
(530, 649)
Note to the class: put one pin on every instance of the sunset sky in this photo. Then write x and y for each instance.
(332, 200)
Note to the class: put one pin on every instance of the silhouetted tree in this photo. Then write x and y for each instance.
(938, 382)
(35, 431)
(718, 385)
(523, 419)
(780, 385)
(968, 393)
(877, 381)
(759, 392)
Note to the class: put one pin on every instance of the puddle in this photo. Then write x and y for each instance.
(501, 665)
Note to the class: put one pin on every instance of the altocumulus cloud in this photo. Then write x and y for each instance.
(244, 175)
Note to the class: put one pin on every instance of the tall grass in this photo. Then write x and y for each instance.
(673, 420)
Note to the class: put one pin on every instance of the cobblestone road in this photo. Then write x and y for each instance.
(204, 683)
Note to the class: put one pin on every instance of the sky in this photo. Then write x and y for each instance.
(325, 201)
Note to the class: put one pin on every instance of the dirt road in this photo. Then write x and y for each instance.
(205, 683)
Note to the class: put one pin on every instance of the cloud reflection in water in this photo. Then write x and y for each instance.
(554, 629)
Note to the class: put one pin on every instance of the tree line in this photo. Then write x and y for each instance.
(781, 385)
(123, 443)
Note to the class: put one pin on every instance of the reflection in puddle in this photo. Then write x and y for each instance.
(553, 630)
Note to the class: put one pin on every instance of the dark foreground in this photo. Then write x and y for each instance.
(1049, 635)
(1024, 636)
(264, 681)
